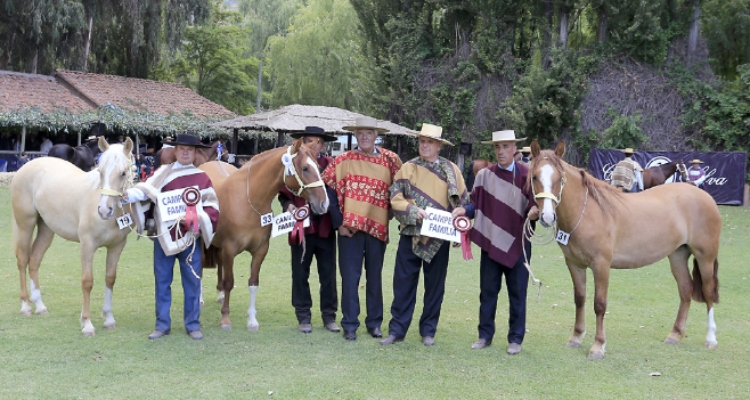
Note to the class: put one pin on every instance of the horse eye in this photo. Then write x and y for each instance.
(305, 169)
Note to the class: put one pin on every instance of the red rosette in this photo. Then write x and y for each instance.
(463, 225)
(191, 196)
(298, 232)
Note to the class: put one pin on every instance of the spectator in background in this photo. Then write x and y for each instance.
(696, 174)
(23, 159)
(46, 144)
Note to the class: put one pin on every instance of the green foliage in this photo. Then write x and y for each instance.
(726, 26)
(637, 31)
(266, 18)
(625, 131)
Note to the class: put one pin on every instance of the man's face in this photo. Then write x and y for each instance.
(366, 139)
(429, 149)
(504, 152)
(185, 154)
(314, 143)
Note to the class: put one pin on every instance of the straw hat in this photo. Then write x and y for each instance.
(526, 149)
(433, 132)
(503, 136)
(92, 137)
(314, 131)
(628, 150)
(365, 123)
(696, 161)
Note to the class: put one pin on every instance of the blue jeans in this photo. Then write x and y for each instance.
(191, 286)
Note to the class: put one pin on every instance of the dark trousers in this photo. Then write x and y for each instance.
(405, 281)
(516, 283)
(191, 286)
(324, 250)
(352, 251)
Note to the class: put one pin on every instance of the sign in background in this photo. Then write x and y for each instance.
(725, 172)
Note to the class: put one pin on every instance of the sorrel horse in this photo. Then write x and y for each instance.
(245, 201)
(166, 155)
(55, 197)
(80, 156)
(608, 229)
(659, 174)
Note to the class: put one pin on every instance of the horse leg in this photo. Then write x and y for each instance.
(258, 257)
(678, 262)
(22, 234)
(706, 271)
(87, 283)
(113, 256)
(42, 242)
(227, 261)
(601, 286)
(219, 280)
(578, 275)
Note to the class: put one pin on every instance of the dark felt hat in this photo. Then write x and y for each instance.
(314, 131)
(187, 140)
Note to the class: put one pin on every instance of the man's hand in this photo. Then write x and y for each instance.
(346, 231)
(458, 211)
(292, 208)
(534, 213)
(421, 214)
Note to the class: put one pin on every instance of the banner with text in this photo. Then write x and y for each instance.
(284, 222)
(725, 172)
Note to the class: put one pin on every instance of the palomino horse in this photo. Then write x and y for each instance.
(245, 201)
(659, 174)
(608, 229)
(57, 198)
(166, 155)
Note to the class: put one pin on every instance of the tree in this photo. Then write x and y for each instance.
(727, 30)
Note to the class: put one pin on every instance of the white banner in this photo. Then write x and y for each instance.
(284, 222)
(171, 206)
(439, 224)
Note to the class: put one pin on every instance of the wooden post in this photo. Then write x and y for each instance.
(235, 140)
(23, 140)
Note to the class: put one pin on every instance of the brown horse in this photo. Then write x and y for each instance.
(245, 201)
(659, 174)
(606, 229)
(55, 197)
(166, 155)
(474, 167)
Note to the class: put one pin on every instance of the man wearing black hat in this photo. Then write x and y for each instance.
(180, 230)
(320, 241)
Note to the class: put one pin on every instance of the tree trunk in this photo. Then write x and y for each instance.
(88, 46)
(601, 33)
(564, 29)
(694, 32)
(549, 9)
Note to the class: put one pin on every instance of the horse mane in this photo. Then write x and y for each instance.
(604, 194)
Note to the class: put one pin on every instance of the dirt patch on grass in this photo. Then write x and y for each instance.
(6, 177)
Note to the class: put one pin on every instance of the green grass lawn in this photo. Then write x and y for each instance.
(47, 357)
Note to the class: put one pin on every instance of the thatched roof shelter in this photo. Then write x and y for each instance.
(296, 117)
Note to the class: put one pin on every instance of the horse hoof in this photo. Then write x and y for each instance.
(712, 345)
(671, 341)
(110, 326)
(226, 327)
(574, 345)
(596, 356)
(89, 334)
(42, 312)
(253, 328)
(26, 313)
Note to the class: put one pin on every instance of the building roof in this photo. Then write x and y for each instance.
(19, 91)
(141, 95)
(296, 117)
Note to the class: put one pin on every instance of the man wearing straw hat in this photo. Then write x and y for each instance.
(425, 181)
(500, 204)
(628, 173)
(696, 174)
(361, 178)
(320, 241)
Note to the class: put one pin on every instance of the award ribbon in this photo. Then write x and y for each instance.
(191, 196)
(298, 232)
(463, 225)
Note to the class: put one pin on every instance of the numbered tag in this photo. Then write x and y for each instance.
(562, 237)
(266, 219)
(124, 221)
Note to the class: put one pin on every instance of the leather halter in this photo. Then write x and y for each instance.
(287, 160)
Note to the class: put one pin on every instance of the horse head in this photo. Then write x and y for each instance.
(546, 178)
(682, 169)
(115, 174)
(302, 177)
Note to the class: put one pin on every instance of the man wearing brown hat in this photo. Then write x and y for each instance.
(320, 241)
(361, 178)
(425, 181)
(628, 173)
(500, 203)
(177, 236)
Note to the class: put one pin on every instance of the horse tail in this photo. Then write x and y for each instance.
(698, 282)
(211, 257)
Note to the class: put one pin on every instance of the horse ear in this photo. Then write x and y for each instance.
(296, 144)
(103, 145)
(560, 150)
(535, 149)
(128, 147)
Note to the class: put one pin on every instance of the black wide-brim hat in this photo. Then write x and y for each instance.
(187, 140)
(314, 131)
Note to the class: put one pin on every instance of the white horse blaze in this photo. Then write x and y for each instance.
(548, 209)
(314, 167)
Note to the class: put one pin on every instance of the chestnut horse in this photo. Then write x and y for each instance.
(245, 201)
(659, 174)
(608, 229)
(55, 197)
(166, 155)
